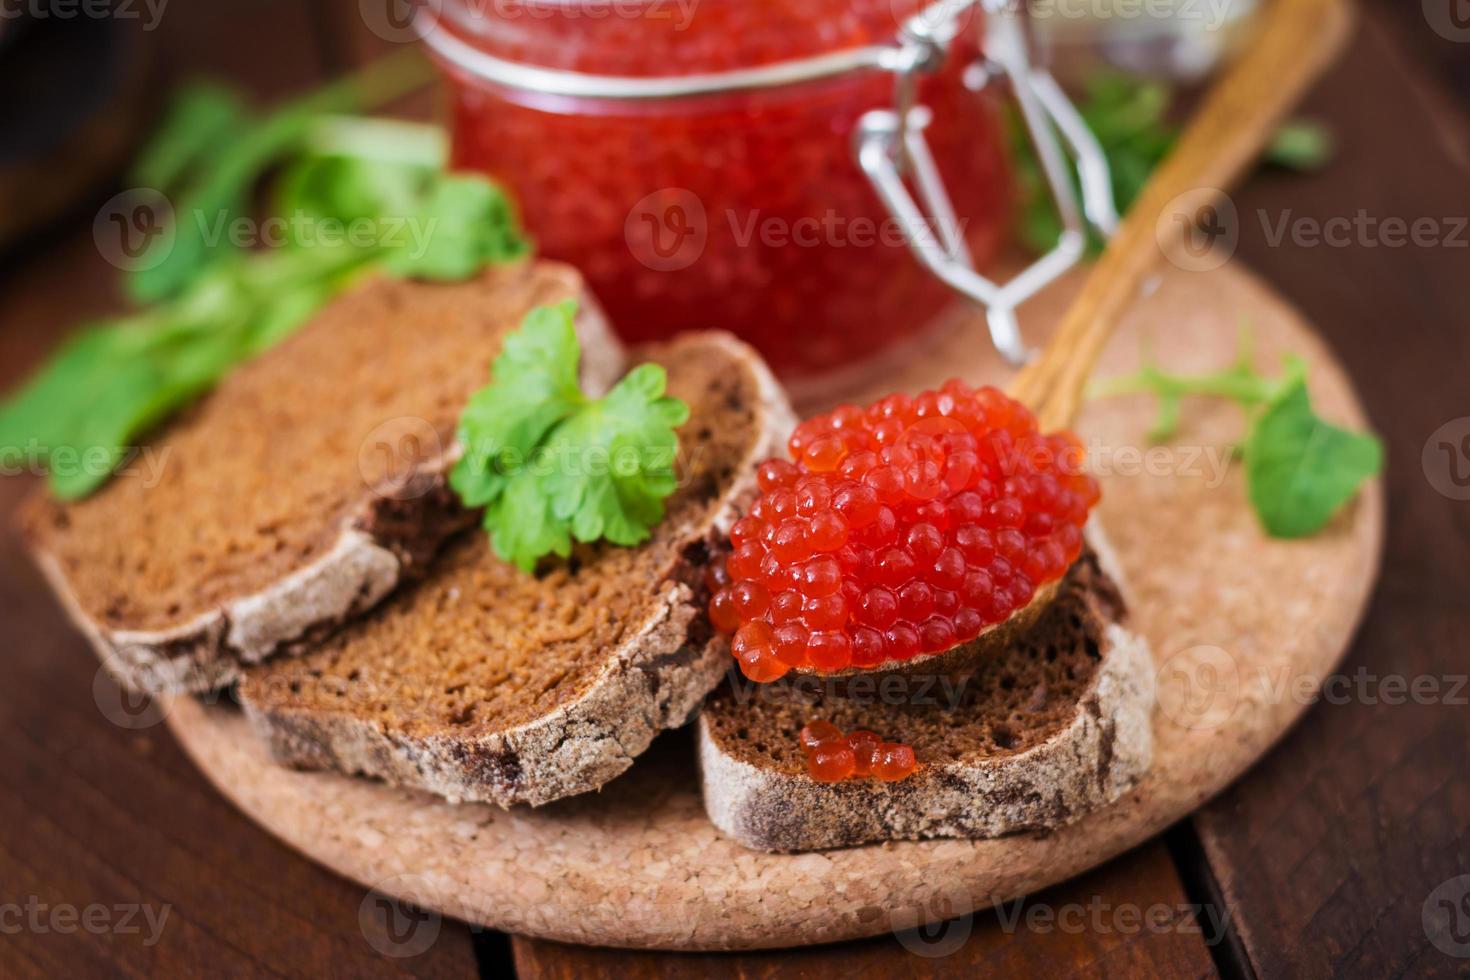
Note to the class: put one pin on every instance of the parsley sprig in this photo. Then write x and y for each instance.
(1131, 119)
(1299, 468)
(551, 464)
(217, 303)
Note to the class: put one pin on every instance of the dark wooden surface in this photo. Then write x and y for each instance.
(1322, 858)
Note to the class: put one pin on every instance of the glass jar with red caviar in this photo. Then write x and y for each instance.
(735, 208)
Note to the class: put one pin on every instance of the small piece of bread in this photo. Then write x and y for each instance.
(485, 683)
(301, 490)
(1052, 728)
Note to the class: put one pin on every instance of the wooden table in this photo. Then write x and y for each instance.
(1320, 861)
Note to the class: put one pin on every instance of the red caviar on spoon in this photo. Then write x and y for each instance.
(903, 529)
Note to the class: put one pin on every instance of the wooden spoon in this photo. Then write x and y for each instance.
(1294, 43)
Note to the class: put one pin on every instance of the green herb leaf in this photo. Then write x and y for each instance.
(1300, 469)
(377, 186)
(203, 119)
(1130, 119)
(533, 386)
(1301, 144)
(1240, 383)
(614, 460)
(551, 465)
(219, 193)
(463, 223)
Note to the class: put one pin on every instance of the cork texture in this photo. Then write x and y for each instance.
(1240, 627)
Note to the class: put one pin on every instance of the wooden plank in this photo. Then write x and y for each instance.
(1087, 927)
(97, 814)
(1436, 32)
(1332, 847)
(101, 816)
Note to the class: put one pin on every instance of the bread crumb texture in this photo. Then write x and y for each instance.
(480, 647)
(1005, 706)
(262, 476)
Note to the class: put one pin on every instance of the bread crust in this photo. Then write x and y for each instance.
(371, 555)
(1103, 751)
(654, 680)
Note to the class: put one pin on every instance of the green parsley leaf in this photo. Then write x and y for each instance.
(551, 465)
(1301, 144)
(1301, 469)
(533, 386)
(377, 185)
(1240, 382)
(203, 119)
(462, 224)
(219, 192)
(1130, 118)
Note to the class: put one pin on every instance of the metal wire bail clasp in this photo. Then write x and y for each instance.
(891, 147)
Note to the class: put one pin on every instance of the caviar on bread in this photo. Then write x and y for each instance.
(902, 529)
(832, 756)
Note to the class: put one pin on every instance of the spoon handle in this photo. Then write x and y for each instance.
(1293, 44)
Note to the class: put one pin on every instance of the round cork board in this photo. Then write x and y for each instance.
(1243, 628)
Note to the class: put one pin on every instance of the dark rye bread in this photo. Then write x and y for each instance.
(485, 683)
(1054, 727)
(301, 490)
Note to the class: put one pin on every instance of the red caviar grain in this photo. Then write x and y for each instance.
(828, 612)
(824, 455)
(936, 634)
(785, 606)
(867, 647)
(753, 635)
(882, 531)
(894, 762)
(865, 746)
(788, 542)
(901, 642)
(716, 576)
(858, 504)
(820, 576)
(816, 732)
(915, 602)
(826, 532)
(722, 612)
(967, 624)
(788, 643)
(831, 762)
(762, 666)
(745, 561)
(813, 497)
(829, 650)
(924, 542)
(776, 473)
(878, 608)
(750, 599)
(832, 757)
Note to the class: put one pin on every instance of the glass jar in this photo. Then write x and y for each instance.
(737, 210)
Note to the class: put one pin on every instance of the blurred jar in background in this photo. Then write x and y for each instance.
(1179, 40)
(743, 211)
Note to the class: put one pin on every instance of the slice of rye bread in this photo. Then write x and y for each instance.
(1033, 739)
(484, 683)
(302, 489)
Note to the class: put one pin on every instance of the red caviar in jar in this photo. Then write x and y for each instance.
(832, 756)
(925, 520)
(743, 211)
